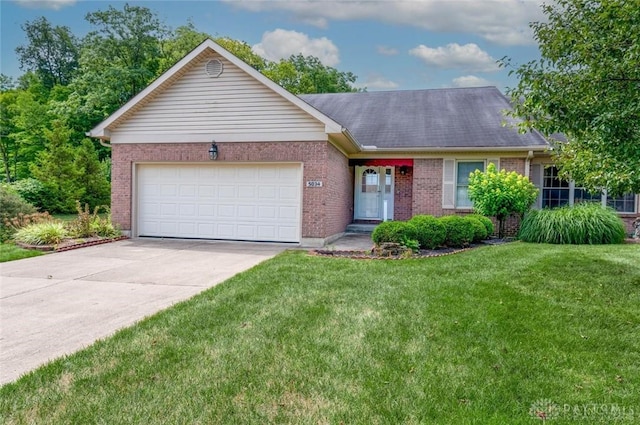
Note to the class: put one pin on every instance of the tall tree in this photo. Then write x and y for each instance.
(586, 86)
(8, 145)
(31, 120)
(56, 168)
(307, 74)
(52, 52)
(184, 39)
(125, 49)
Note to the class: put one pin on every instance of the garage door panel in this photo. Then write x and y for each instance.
(188, 190)
(247, 211)
(168, 190)
(220, 201)
(266, 212)
(226, 192)
(246, 232)
(169, 210)
(206, 210)
(188, 210)
(226, 211)
(287, 213)
(246, 192)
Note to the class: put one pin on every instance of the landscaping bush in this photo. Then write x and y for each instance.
(90, 224)
(500, 194)
(585, 223)
(31, 190)
(11, 205)
(459, 232)
(45, 233)
(431, 233)
(394, 232)
(486, 221)
(479, 231)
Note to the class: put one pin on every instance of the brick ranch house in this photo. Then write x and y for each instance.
(300, 169)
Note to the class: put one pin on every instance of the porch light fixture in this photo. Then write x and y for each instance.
(213, 151)
(403, 170)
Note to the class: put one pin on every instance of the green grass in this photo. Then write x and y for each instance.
(471, 338)
(10, 252)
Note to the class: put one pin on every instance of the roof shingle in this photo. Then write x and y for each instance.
(435, 118)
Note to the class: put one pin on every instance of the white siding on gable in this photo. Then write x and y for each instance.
(234, 106)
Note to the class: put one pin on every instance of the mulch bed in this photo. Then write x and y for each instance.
(423, 253)
(69, 244)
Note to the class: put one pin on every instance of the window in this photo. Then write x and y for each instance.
(462, 181)
(369, 181)
(557, 192)
(624, 204)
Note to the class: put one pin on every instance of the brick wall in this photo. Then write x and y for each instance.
(325, 210)
(337, 206)
(427, 187)
(403, 198)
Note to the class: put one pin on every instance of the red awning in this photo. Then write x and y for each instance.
(382, 162)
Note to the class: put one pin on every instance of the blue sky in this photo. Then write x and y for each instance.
(388, 44)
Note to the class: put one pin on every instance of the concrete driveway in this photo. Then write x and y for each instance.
(58, 303)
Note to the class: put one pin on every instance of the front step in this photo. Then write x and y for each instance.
(360, 228)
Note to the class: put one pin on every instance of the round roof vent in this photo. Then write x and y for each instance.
(213, 68)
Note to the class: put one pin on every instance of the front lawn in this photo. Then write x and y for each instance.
(503, 334)
(10, 252)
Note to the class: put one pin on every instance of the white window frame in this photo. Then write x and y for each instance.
(450, 180)
(458, 185)
(572, 192)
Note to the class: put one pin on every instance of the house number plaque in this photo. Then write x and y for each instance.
(314, 183)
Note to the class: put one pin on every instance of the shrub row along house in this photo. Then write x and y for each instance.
(214, 150)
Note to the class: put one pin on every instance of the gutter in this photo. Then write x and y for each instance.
(405, 150)
(102, 142)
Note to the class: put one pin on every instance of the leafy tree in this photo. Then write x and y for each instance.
(243, 51)
(59, 173)
(8, 146)
(184, 39)
(306, 74)
(6, 83)
(128, 43)
(94, 175)
(586, 86)
(30, 119)
(500, 194)
(52, 52)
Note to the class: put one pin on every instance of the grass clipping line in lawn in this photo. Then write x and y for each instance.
(479, 337)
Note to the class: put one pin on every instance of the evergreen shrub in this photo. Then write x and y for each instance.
(431, 233)
(459, 232)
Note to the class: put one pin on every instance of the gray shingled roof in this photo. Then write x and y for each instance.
(438, 118)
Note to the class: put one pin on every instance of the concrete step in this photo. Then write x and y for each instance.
(360, 228)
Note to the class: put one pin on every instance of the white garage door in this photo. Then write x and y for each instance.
(253, 202)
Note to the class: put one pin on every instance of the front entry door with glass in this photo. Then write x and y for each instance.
(373, 193)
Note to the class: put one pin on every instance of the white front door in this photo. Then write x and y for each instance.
(373, 193)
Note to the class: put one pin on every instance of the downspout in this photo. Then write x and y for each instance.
(105, 144)
(527, 164)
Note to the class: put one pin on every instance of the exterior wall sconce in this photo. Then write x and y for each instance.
(213, 151)
(403, 170)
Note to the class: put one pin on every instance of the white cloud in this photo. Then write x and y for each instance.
(375, 81)
(504, 22)
(470, 81)
(469, 57)
(281, 44)
(46, 4)
(387, 51)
